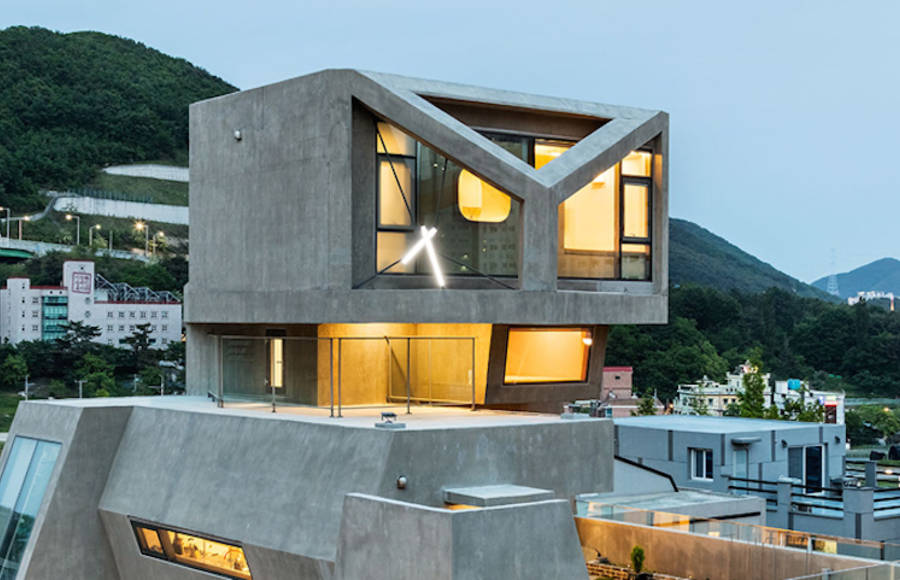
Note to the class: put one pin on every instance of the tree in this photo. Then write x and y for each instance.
(752, 398)
(647, 404)
(13, 371)
(637, 559)
(97, 375)
(140, 344)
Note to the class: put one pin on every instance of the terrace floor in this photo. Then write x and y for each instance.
(420, 417)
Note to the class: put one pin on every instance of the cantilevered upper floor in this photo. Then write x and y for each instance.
(349, 196)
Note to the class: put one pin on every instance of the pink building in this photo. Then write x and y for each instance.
(617, 396)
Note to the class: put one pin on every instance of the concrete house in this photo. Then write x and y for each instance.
(704, 452)
(384, 273)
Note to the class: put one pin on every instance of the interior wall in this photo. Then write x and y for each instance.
(438, 369)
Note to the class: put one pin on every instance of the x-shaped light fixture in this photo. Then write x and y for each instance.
(425, 242)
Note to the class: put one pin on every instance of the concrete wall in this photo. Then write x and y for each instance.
(699, 556)
(279, 484)
(384, 539)
(68, 539)
(293, 160)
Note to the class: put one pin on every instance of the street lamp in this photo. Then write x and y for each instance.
(70, 217)
(142, 226)
(24, 218)
(91, 234)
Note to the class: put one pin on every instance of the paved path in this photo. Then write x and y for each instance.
(165, 172)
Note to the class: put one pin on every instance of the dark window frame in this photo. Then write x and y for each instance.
(160, 528)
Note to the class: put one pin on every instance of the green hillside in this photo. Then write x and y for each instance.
(697, 256)
(72, 103)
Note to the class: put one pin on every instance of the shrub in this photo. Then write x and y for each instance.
(637, 559)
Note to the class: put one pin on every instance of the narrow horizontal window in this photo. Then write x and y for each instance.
(637, 163)
(547, 355)
(192, 550)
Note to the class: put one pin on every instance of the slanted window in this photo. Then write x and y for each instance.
(701, 464)
(193, 550)
(475, 223)
(22, 486)
(547, 355)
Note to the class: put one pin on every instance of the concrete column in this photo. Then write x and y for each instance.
(538, 235)
(871, 473)
(782, 517)
(859, 516)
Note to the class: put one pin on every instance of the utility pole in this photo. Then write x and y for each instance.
(26, 387)
(80, 388)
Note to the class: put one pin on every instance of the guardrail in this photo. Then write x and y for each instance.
(368, 371)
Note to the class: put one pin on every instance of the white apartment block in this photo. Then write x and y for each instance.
(40, 312)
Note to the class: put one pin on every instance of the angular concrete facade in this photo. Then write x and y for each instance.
(284, 219)
(307, 497)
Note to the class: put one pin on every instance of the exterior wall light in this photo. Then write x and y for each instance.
(237, 135)
(401, 482)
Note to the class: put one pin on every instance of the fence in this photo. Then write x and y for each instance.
(338, 372)
(876, 572)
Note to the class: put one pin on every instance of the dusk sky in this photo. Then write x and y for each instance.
(782, 113)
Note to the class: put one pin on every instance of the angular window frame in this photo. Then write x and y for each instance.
(587, 365)
(168, 554)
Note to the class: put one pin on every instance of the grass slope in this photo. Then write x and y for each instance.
(72, 103)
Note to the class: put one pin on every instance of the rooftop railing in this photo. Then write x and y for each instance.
(338, 372)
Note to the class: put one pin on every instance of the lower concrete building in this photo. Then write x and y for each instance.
(179, 488)
(708, 452)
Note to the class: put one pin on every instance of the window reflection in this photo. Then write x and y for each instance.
(22, 486)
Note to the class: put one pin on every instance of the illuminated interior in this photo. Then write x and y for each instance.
(477, 224)
(480, 201)
(276, 363)
(192, 550)
(605, 226)
(547, 355)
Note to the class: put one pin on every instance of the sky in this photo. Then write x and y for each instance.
(781, 113)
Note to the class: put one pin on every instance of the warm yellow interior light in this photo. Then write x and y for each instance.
(480, 201)
(276, 363)
(547, 355)
(637, 222)
(392, 210)
(396, 141)
(544, 153)
(637, 163)
(391, 247)
(590, 216)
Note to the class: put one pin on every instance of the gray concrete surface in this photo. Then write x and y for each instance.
(384, 539)
(494, 495)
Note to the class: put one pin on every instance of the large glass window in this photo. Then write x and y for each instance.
(23, 483)
(193, 550)
(547, 355)
(605, 227)
(476, 223)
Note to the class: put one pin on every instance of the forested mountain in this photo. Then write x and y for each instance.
(835, 346)
(698, 256)
(883, 274)
(72, 103)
